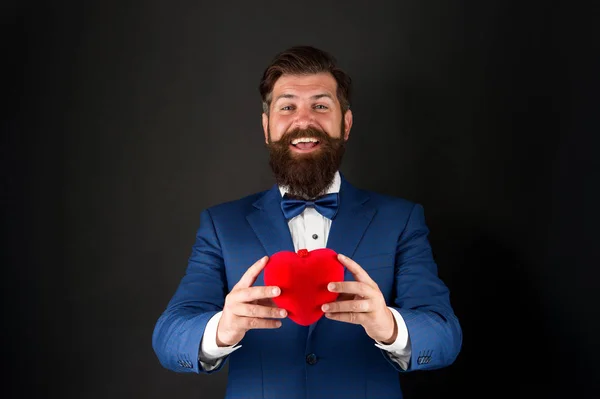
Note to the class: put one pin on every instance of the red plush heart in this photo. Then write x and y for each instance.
(303, 279)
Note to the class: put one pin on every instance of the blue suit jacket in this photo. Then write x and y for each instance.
(387, 236)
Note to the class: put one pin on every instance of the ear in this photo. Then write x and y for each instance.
(265, 124)
(347, 124)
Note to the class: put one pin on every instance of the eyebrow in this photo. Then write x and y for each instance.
(315, 97)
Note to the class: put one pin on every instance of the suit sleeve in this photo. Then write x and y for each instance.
(199, 296)
(423, 300)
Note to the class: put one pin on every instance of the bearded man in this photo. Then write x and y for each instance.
(392, 313)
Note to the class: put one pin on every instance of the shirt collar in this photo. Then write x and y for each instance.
(334, 187)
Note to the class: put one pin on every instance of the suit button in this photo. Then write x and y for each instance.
(311, 359)
(314, 236)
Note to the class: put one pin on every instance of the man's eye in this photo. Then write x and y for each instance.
(287, 108)
(320, 106)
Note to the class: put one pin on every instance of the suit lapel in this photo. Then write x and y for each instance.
(269, 224)
(347, 229)
(351, 222)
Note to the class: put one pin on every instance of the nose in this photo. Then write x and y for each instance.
(304, 118)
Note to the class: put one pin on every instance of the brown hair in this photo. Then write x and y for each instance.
(304, 60)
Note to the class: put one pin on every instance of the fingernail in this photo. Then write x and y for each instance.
(325, 308)
(278, 324)
(342, 256)
(331, 287)
(282, 313)
(275, 291)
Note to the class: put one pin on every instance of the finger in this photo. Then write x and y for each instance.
(361, 305)
(345, 297)
(250, 275)
(253, 323)
(257, 311)
(244, 295)
(268, 302)
(357, 271)
(349, 317)
(352, 287)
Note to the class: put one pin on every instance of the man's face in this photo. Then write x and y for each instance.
(303, 101)
(305, 133)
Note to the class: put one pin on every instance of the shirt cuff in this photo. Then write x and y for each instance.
(400, 349)
(211, 355)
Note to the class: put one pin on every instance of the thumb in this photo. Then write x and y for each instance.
(252, 273)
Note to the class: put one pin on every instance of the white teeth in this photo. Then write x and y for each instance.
(305, 140)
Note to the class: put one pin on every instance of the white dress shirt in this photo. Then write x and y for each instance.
(309, 230)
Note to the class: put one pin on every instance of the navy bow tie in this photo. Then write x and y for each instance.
(326, 205)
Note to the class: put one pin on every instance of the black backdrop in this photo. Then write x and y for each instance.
(123, 120)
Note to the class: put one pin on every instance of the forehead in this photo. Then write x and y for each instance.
(319, 83)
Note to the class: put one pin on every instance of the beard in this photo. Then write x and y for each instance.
(306, 175)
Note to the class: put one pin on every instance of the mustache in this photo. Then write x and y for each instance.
(310, 132)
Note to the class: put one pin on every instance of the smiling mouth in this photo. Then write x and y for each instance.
(305, 144)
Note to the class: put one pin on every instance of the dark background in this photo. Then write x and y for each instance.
(123, 120)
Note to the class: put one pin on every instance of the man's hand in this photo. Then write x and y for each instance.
(248, 307)
(361, 302)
